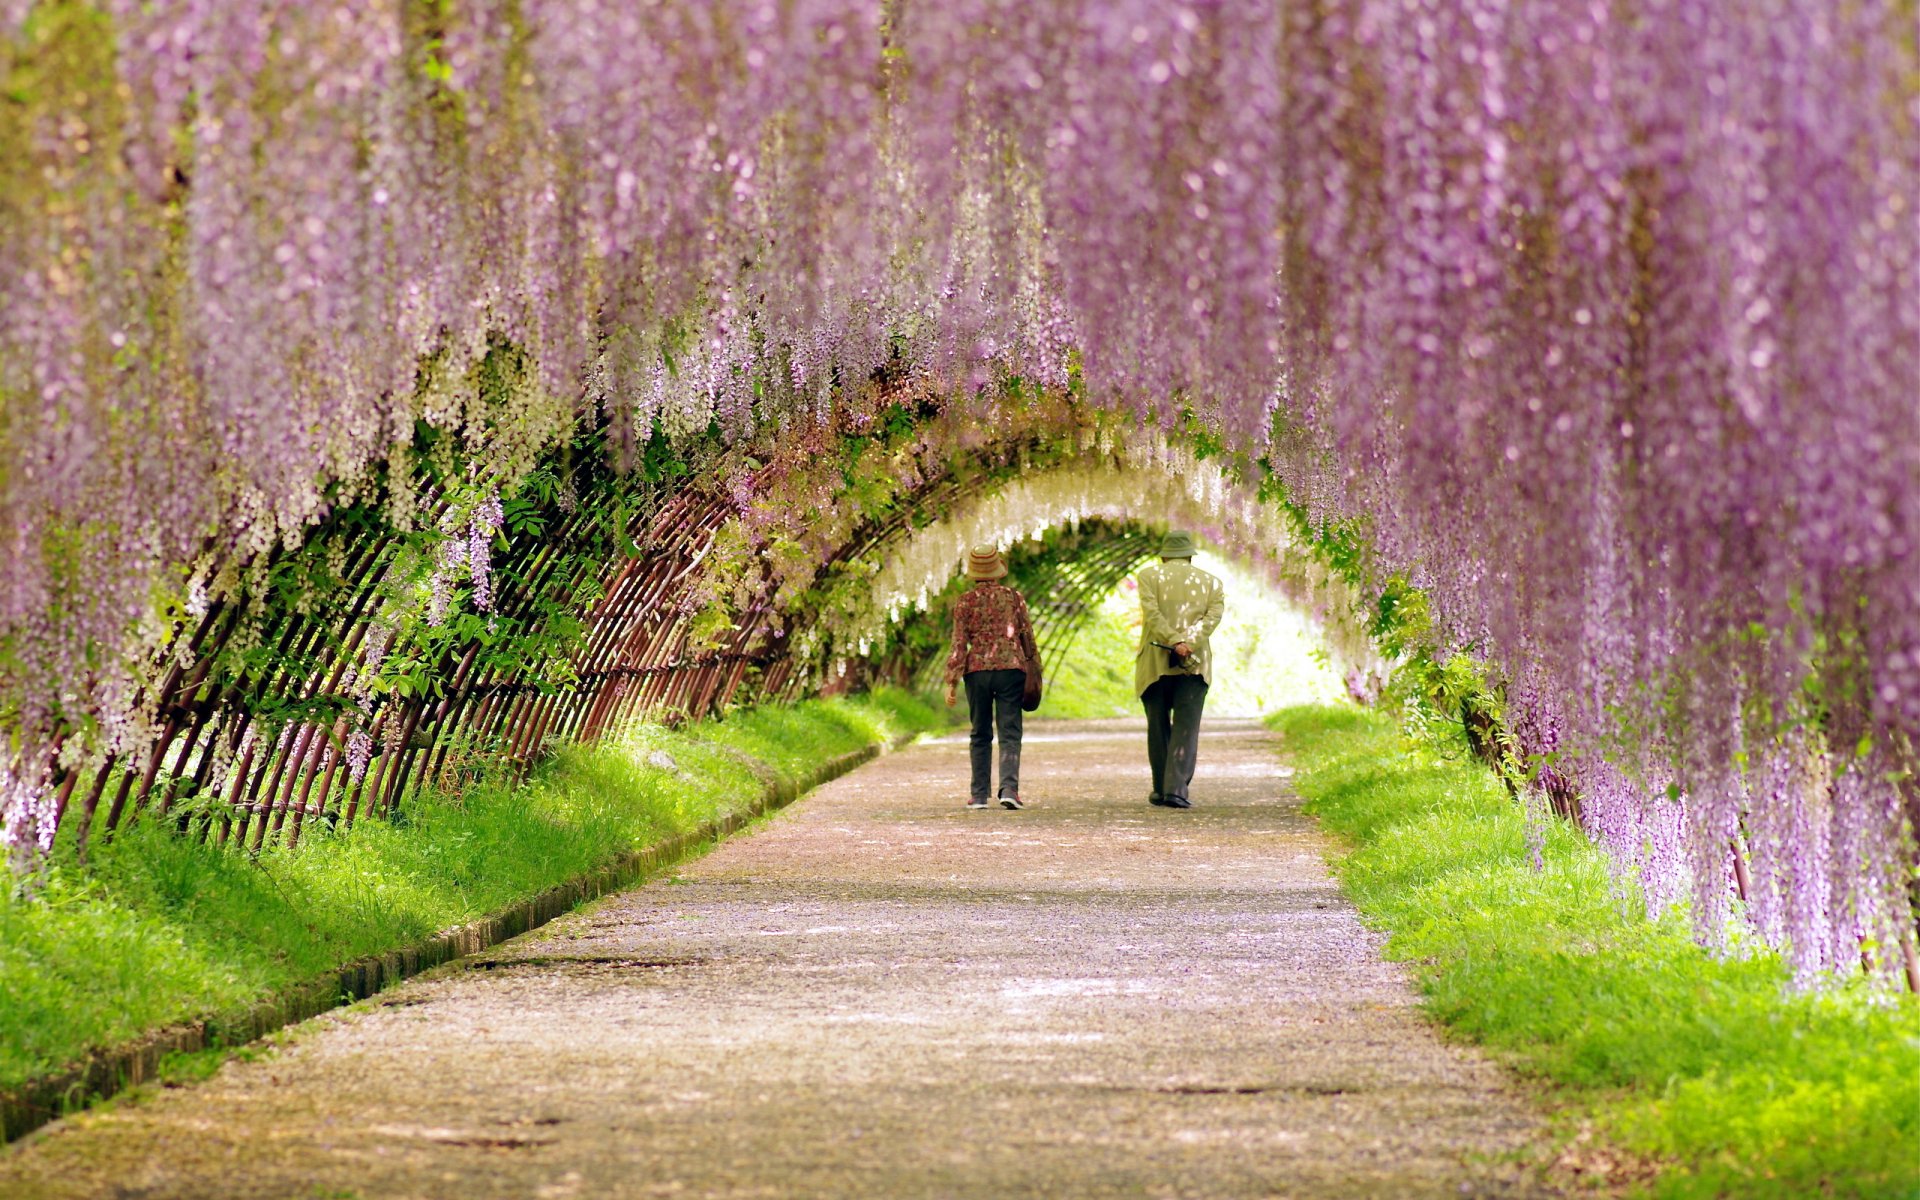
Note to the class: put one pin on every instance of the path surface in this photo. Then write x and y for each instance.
(881, 994)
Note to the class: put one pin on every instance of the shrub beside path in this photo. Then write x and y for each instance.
(879, 993)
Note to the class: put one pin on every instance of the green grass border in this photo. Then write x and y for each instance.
(1706, 1076)
(777, 748)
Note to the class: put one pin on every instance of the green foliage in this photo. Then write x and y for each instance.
(1713, 1067)
(1342, 545)
(794, 738)
(161, 928)
(1095, 679)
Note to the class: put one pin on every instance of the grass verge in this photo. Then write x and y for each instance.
(159, 929)
(1710, 1067)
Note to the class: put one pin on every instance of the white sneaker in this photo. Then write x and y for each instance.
(1011, 802)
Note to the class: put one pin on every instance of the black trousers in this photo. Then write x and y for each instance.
(993, 701)
(1173, 704)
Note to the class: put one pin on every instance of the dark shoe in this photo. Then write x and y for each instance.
(1172, 802)
(1011, 802)
(978, 804)
(1153, 798)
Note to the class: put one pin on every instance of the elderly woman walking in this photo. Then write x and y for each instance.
(993, 649)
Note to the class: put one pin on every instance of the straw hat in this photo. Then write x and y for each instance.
(1178, 544)
(984, 562)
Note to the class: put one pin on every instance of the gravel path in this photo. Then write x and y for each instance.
(879, 993)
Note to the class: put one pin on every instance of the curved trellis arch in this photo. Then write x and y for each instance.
(1066, 589)
(283, 706)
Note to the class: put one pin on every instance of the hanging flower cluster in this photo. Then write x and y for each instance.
(27, 820)
(1602, 321)
(467, 549)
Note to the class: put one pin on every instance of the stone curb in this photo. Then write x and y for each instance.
(114, 1069)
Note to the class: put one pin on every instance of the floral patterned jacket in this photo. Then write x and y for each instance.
(991, 631)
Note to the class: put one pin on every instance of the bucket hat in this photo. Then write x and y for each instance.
(984, 562)
(1177, 544)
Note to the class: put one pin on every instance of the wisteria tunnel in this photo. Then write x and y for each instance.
(395, 392)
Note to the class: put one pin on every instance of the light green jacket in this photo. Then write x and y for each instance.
(1178, 603)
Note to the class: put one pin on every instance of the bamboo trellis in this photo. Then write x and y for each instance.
(224, 769)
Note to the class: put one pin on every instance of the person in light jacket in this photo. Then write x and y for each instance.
(1180, 607)
(992, 645)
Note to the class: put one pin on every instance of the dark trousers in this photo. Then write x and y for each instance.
(993, 701)
(1173, 704)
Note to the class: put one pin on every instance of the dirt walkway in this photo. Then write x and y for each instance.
(881, 994)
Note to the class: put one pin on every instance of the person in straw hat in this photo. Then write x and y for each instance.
(1180, 607)
(992, 645)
